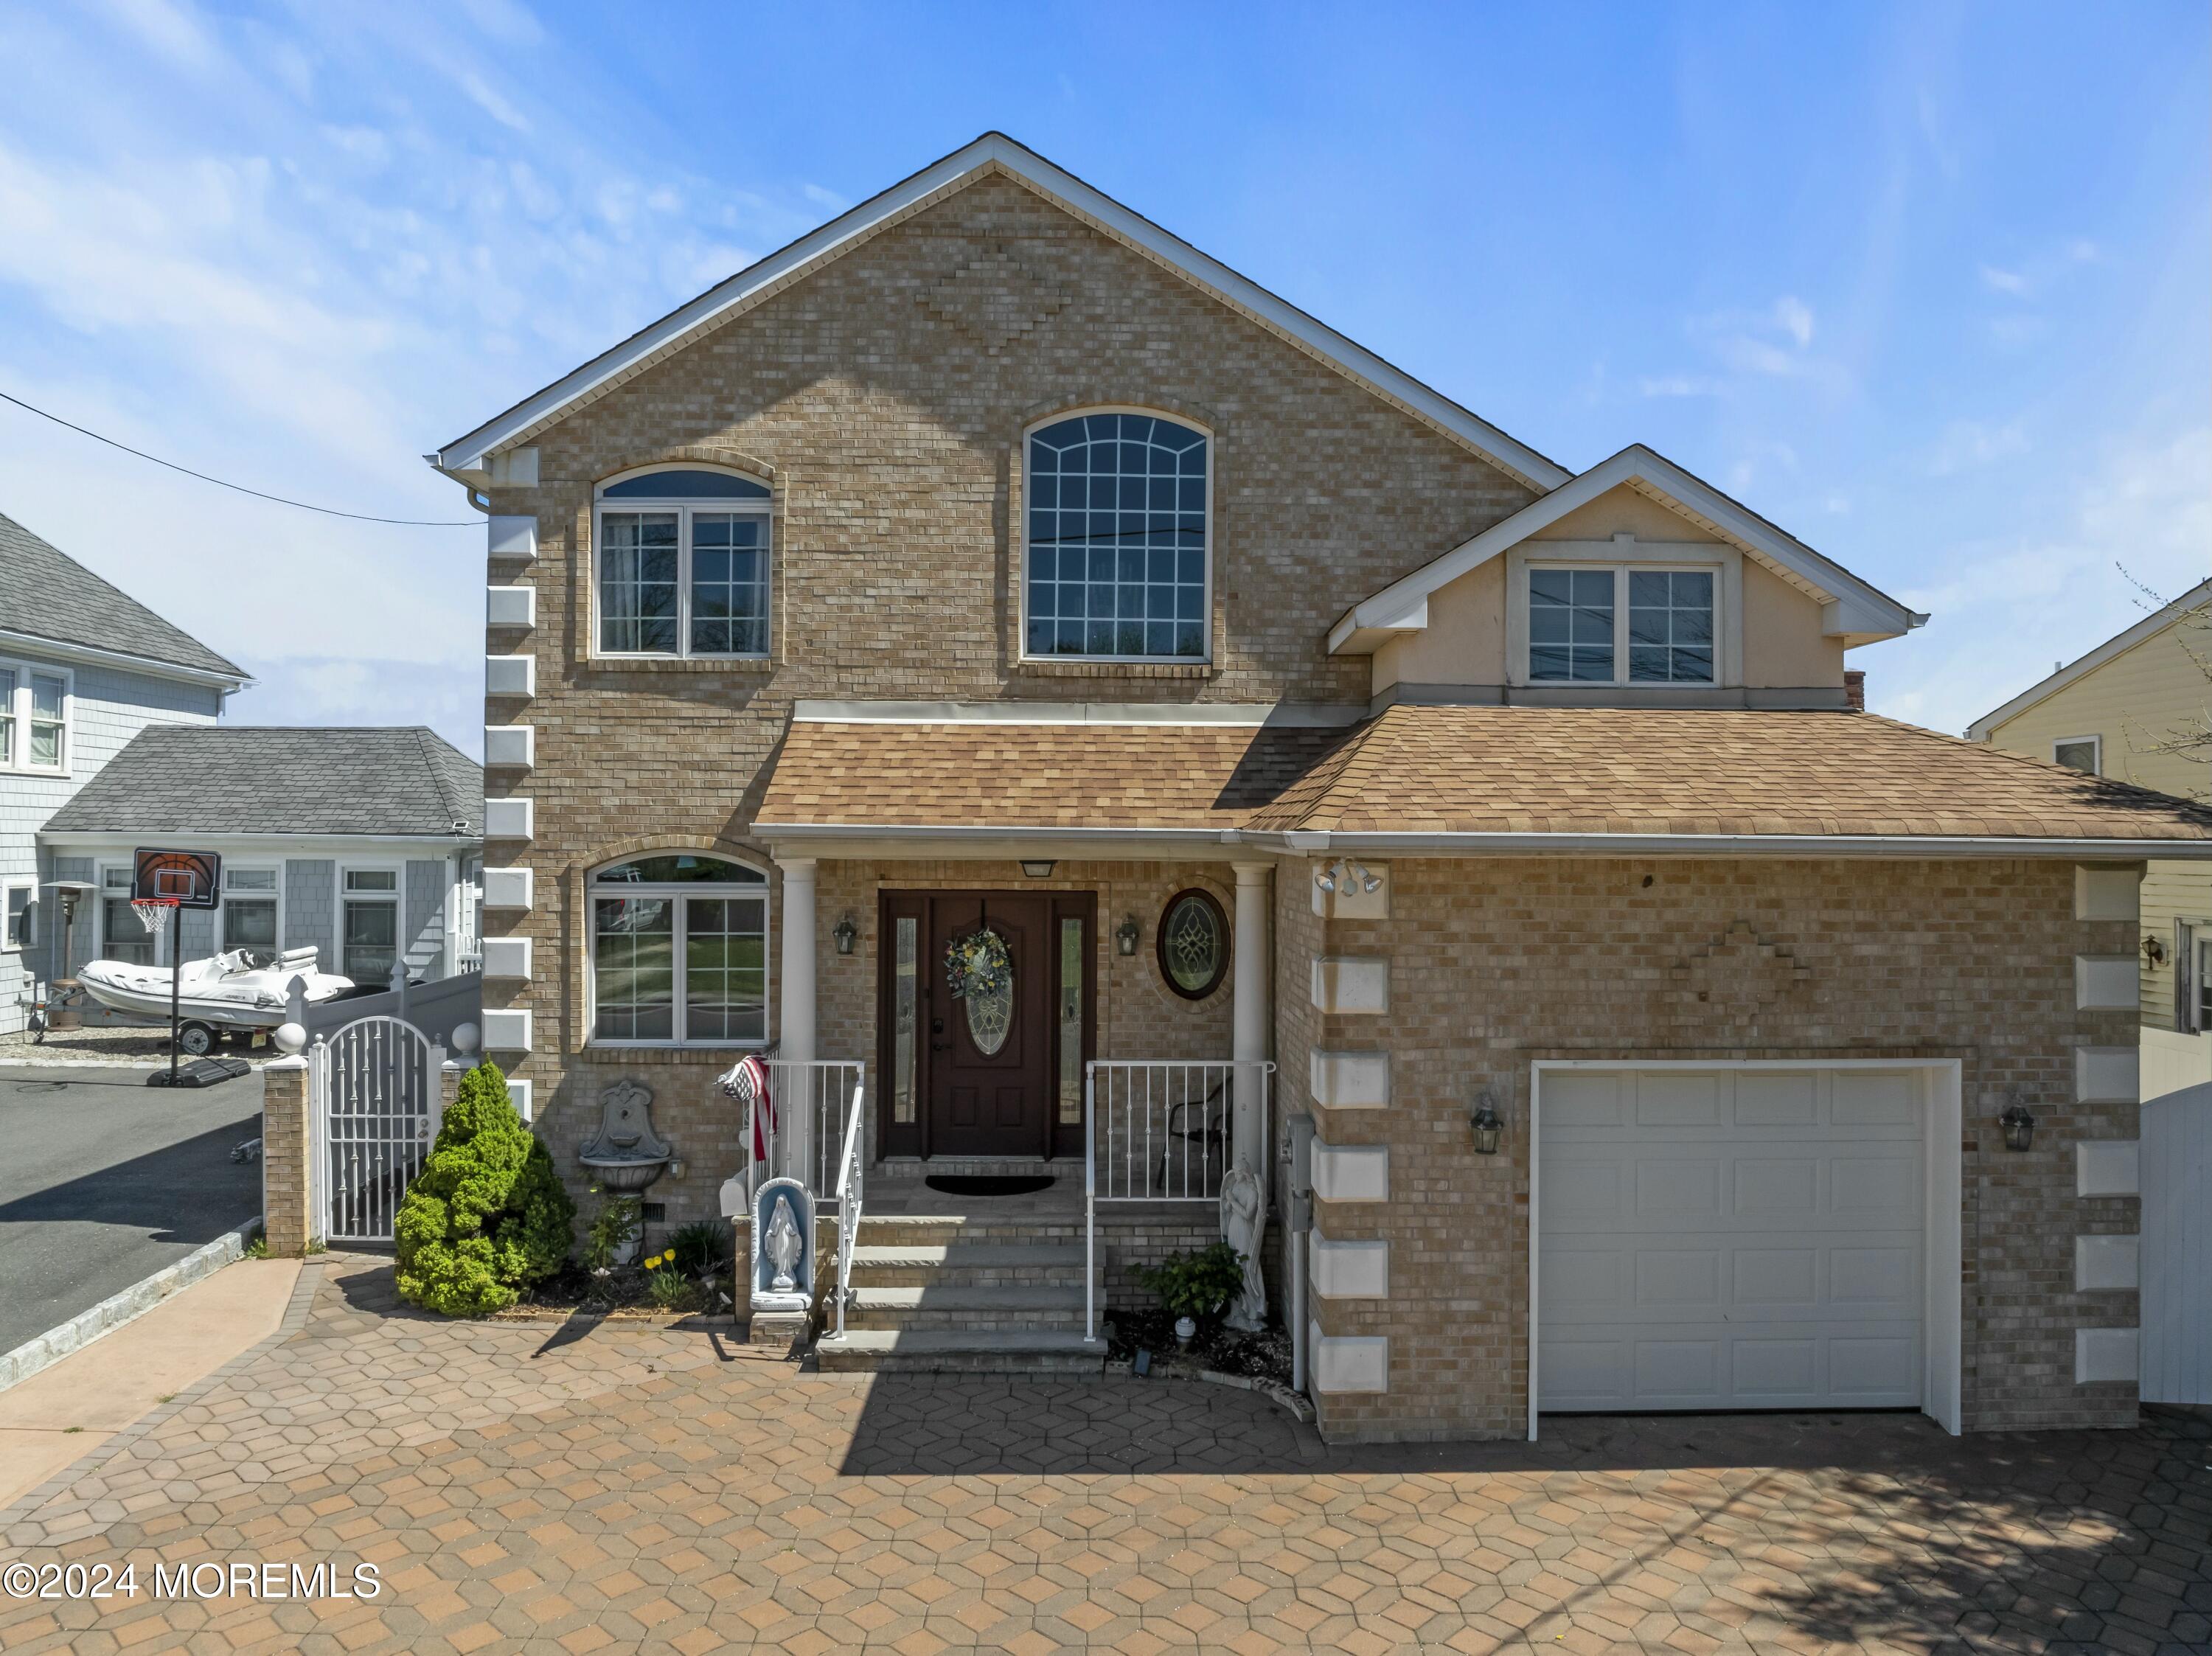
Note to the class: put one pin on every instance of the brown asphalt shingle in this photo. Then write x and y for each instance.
(1463, 770)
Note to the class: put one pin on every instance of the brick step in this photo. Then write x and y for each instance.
(1051, 1352)
(959, 1307)
(969, 1265)
(944, 1229)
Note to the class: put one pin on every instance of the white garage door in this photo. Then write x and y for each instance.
(1745, 1239)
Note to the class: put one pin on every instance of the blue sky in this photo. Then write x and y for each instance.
(1930, 285)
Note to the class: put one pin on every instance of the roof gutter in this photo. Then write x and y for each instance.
(93, 655)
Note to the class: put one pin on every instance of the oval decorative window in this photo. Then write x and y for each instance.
(980, 970)
(1194, 943)
(990, 1016)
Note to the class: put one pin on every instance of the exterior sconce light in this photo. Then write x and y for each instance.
(2018, 1127)
(1348, 877)
(1038, 869)
(1488, 1129)
(2153, 949)
(847, 934)
(1125, 936)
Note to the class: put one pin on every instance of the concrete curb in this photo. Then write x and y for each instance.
(112, 1313)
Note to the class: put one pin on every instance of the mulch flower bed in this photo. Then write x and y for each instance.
(1265, 1355)
(624, 1293)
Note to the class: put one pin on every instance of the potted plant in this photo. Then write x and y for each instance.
(1196, 1286)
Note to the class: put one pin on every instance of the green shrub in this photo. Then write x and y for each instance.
(701, 1247)
(622, 1218)
(1198, 1285)
(487, 1216)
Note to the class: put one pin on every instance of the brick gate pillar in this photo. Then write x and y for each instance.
(285, 1140)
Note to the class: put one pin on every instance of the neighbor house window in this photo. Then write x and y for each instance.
(679, 952)
(684, 565)
(18, 917)
(1615, 626)
(368, 946)
(1118, 539)
(34, 708)
(2080, 753)
(249, 908)
(121, 936)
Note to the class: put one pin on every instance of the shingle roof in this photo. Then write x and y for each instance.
(236, 779)
(1417, 769)
(51, 595)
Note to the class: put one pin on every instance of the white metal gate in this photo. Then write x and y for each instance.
(2175, 1270)
(377, 1110)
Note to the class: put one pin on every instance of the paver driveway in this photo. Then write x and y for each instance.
(518, 1486)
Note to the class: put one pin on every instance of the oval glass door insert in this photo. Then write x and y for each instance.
(991, 1017)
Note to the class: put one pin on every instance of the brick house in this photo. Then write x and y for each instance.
(990, 561)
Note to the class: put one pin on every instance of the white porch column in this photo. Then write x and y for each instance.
(1249, 1001)
(793, 1104)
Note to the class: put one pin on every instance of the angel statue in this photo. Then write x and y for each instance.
(1242, 1207)
(782, 1247)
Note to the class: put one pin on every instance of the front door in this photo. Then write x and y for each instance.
(990, 1073)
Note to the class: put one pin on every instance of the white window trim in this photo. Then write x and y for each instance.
(32, 912)
(100, 940)
(1621, 554)
(276, 896)
(2096, 747)
(397, 897)
(684, 509)
(679, 888)
(1021, 530)
(18, 760)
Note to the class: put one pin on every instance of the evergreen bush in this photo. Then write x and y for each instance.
(487, 1217)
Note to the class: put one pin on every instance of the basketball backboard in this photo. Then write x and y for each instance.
(194, 878)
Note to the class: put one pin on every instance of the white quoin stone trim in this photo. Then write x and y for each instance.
(1349, 1363)
(519, 1091)
(510, 819)
(1351, 1173)
(2107, 983)
(512, 537)
(1343, 983)
(1349, 1081)
(2107, 1075)
(507, 957)
(511, 675)
(2107, 1166)
(2107, 1353)
(514, 745)
(507, 1029)
(506, 888)
(1342, 905)
(514, 468)
(510, 606)
(2106, 1262)
(1350, 1271)
(2107, 894)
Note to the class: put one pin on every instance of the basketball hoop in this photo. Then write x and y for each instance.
(154, 913)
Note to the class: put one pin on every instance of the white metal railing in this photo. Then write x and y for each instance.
(849, 1175)
(1165, 1131)
(377, 1106)
(810, 1100)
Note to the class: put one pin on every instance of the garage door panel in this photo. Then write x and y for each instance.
(1583, 1100)
(1732, 1239)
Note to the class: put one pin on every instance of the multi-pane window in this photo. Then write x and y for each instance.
(369, 945)
(684, 565)
(1117, 547)
(121, 936)
(679, 952)
(1615, 626)
(33, 718)
(249, 908)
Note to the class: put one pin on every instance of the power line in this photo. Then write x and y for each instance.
(328, 512)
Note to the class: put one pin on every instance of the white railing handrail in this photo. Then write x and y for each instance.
(819, 1087)
(850, 1173)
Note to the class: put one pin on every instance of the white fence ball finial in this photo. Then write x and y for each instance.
(290, 1039)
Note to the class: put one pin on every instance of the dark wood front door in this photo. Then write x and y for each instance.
(985, 1076)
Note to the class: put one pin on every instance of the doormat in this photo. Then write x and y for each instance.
(988, 1183)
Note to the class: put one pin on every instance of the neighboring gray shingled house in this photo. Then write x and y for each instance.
(83, 670)
(362, 842)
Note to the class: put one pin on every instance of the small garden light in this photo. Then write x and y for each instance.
(1488, 1128)
(2019, 1127)
(846, 934)
(1124, 935)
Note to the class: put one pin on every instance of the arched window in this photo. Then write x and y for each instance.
(1118, 539)
(682, 564)
(679, 952)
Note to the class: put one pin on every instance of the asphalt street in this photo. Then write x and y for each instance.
(104, 1180)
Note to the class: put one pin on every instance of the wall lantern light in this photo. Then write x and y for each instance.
(1488, 1129)
(1125, 936)
(1038, 869)
(847, 935)
(1347, 877)
(2154, 947)
(2019, 1127)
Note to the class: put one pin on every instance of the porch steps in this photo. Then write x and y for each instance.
(1051, 1352)
(995, 1307)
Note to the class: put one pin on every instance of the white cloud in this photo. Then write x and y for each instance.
(2004, 281)
(1680, 384)
(1795, 318)
(169, 29)
(1967, 443)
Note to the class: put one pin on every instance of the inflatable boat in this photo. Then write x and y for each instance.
(240, 990)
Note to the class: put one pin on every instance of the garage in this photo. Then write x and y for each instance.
(1745, 1236)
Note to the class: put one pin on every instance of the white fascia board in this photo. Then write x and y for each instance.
(995, 152)
(2119, 643)
(1856, 611)
(1726, 845)
(91, 655)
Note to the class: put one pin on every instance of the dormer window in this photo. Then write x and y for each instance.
(1586, 624)
(683, 565)
(1117, 558)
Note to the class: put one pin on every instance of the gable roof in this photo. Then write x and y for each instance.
(52, 598)
(1856, 612)
(2173, 615)
(992, 155)
(251, 779)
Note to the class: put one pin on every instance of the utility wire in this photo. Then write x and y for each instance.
(328, 512)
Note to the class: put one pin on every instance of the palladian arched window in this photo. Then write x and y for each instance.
(682, 564)
(1118, 541)
(679, 952)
